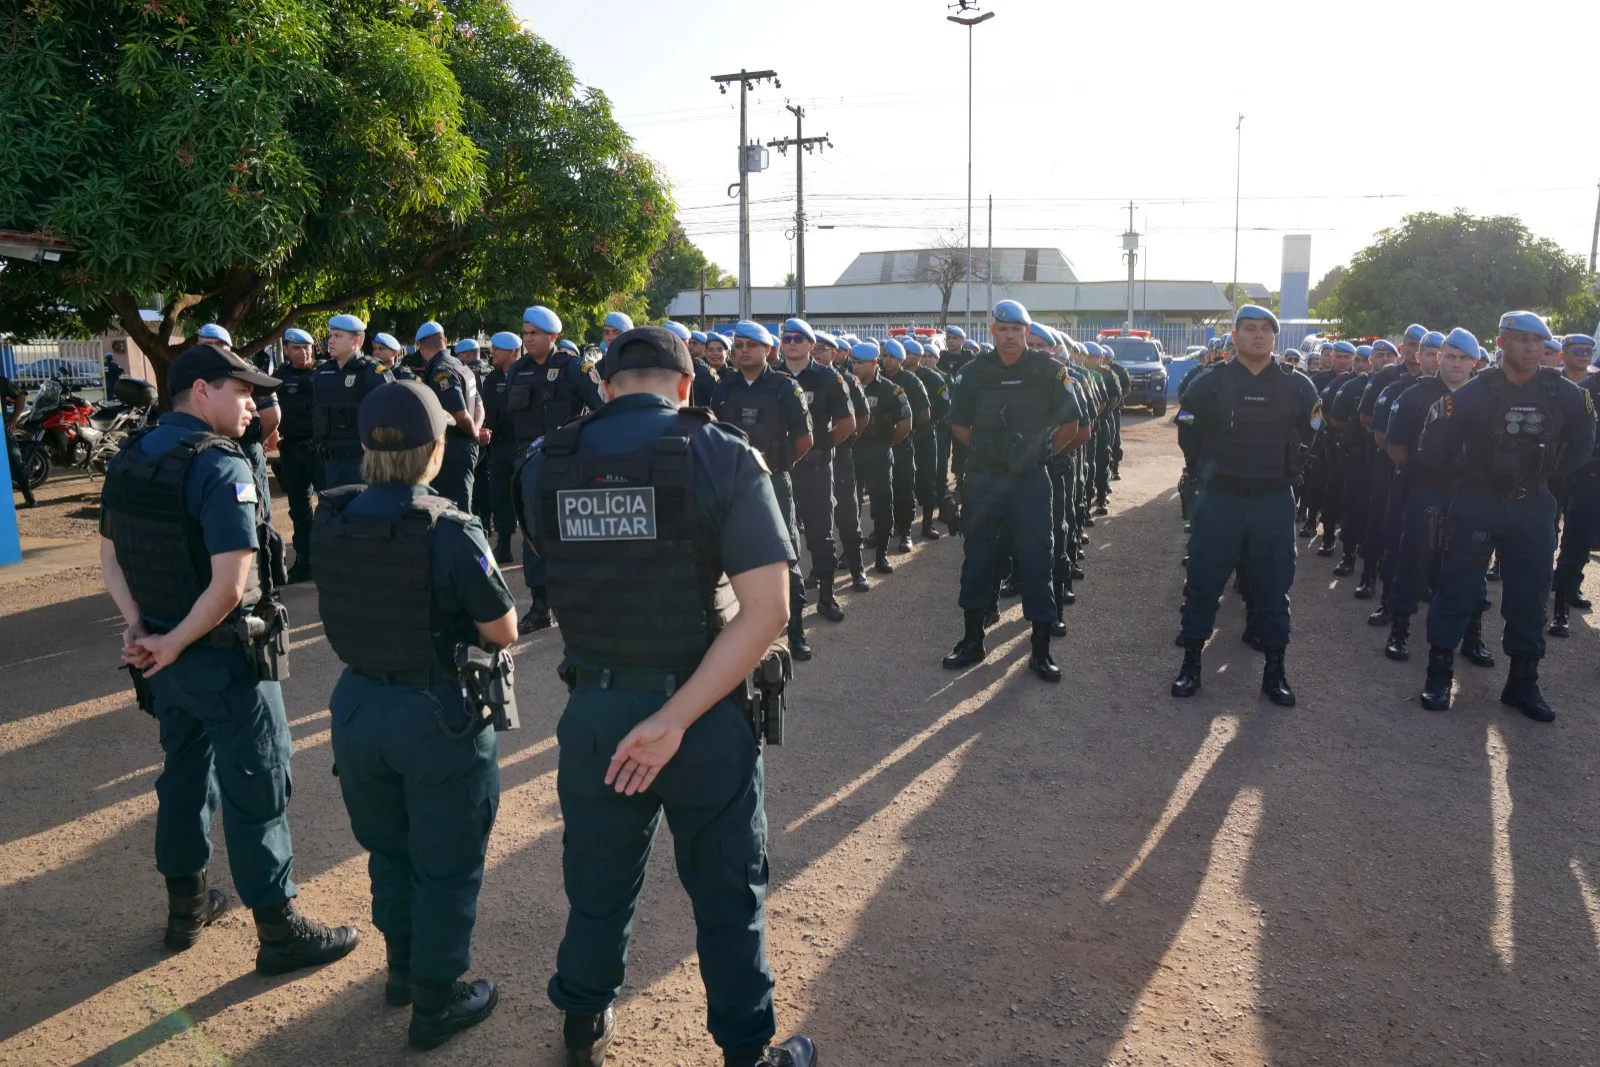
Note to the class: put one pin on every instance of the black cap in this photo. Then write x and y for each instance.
(644, 348)
(202, 363)
(410, 407)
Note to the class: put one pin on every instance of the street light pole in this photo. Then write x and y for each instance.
(748, 161)
(1238, 160)
(969, 23)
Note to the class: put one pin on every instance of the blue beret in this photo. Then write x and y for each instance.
(956, 331)
(1287, 352)
(348, 323)
(678, 330)
(750, 331)
(213, 332)
(1483, 353)
(1381, 345)
(1552, 344)
(569, 346)
(507, 340)
(1462, 338)
(1345, 347)
(296, 336)
(1039, 329)
(865, 352)
(827, 339)
(1325, 347)
(429, 329)
(618, 321)
(1573, 340)
(542, 318)
(715, 338)
(1416, 332)
(893, 349)
(388, 340)
(1214, 344)
(697, 335)
(969, 346)
(1256, 311)
(1526, 321)
(1364, 350)
(1013, 312)
(466, 344)
(1433, 339)
(912, 346)
(800, 326)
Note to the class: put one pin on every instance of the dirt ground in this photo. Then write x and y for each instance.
(968, 869)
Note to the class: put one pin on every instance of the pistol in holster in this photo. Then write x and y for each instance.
(488, 684)
(141, 689)
(764, 696)
(263, 633)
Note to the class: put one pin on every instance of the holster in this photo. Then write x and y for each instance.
(263, 635)
(141, 690)
(488, 686)
(764, 696)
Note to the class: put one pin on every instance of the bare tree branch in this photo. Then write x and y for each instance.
(946, 267)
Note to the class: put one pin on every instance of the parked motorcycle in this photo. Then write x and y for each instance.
(130, 410)
(72, 433)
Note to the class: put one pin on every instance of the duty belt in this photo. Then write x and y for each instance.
(223, 635)
(419, 679)
(1239, 487)
(630, 681)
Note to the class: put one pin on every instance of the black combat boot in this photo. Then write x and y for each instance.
(1577, 600)
(538, 616)
(1100, 509)
(827, 606)
(1059, 627)
(811, 580)
(951, 515)
(444, 1008)
(882, 564)
(290, 941)
(1522, 690)
(1364, 590)
(1325, 548)
(588, 1036)
(1346, 565)
(1187, 683)
(1039, 662)
(1560, 622)
(798, 1051)
(1068, 597)
(903, 541)
(1249, 636)
(1397, 647)
(1472, 646)
(799, 648)
(969, 649)
(1383, 615)
(1273, 681)
(928, 532)
(397, 984)
(1309, 529)
(502, 549)
(191, 907)
(1441, 672)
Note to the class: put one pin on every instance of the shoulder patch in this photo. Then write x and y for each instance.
(443, 379)
(1185, 417)
(245, 492)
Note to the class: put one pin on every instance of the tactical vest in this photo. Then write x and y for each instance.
(296, 400)
(1251, 428)
(938, 392)
(858, 407)
(629, 582)
(1525, 432)
(337, 400)
(757, 409)
(539, 397)
(876, 426)
(1591, 384)
(161, 547)
(1009, 427)
(373, 582)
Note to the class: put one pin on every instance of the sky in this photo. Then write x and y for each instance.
(1355, 115)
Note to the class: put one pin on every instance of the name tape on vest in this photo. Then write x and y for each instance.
(607, 514)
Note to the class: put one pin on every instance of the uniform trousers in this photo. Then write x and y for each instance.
(1580, 527)
(875, 465)
(1261, 527)
(904, 485)
(1523, 533)
(1006, 516)
(299, 472)
(813, 505)
(846, 504)
(455, 477)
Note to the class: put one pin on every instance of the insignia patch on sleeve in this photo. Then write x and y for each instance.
(245, 492)
(594, 376)
(1588, 401)
(485, 565)
(443, 379)
(1185, 416)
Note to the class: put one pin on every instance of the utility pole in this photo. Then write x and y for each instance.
(1594, 244)
(752, 157)
(1238, 160)
(702, 299)
(1130, 252)
(969, 23)
(809, 144)
(988, 272)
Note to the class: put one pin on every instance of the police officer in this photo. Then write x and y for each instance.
(1353, 449)
(1125, 387)
(12, 398)
(1425, 489)
(186, 553)
(1397, 364)
(458, 395)
(931, 370)
(406, 579)
(339, 386)
(1417, 362)
(717, 354)
(298, 467)
(1328, 472)
(263, 425)
(933, 485)
(547, 388)
(832, 352)
(616, 322)
(1245, 429)
(470, 355)
(653, 649)
(1013, 409)
(887, 422)
(1508, 432)
(504, 348)
(832, 421)
(892, 364)
(771, 410)
(1580, 515)
(386, 349)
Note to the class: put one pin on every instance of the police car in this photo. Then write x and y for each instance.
(1142, 357)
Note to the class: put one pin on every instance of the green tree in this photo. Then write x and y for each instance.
(1453, 270)
(262, 164)
(1324, 289)
(1581, 314)
(676, 266)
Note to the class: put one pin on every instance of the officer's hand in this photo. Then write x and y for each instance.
(160, 651)
(132, 652)
(641, 755)
(484, 435)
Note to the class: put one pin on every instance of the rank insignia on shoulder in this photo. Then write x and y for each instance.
(245, 492)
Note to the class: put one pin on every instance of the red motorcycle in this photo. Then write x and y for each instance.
(56, 418)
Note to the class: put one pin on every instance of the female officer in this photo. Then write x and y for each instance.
(403, 578)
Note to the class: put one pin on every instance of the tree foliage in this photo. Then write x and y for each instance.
(266, 162)
(676, 266)
(1453, 270)
(1324, 289)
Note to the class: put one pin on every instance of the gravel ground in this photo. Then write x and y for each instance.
(970, 869)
